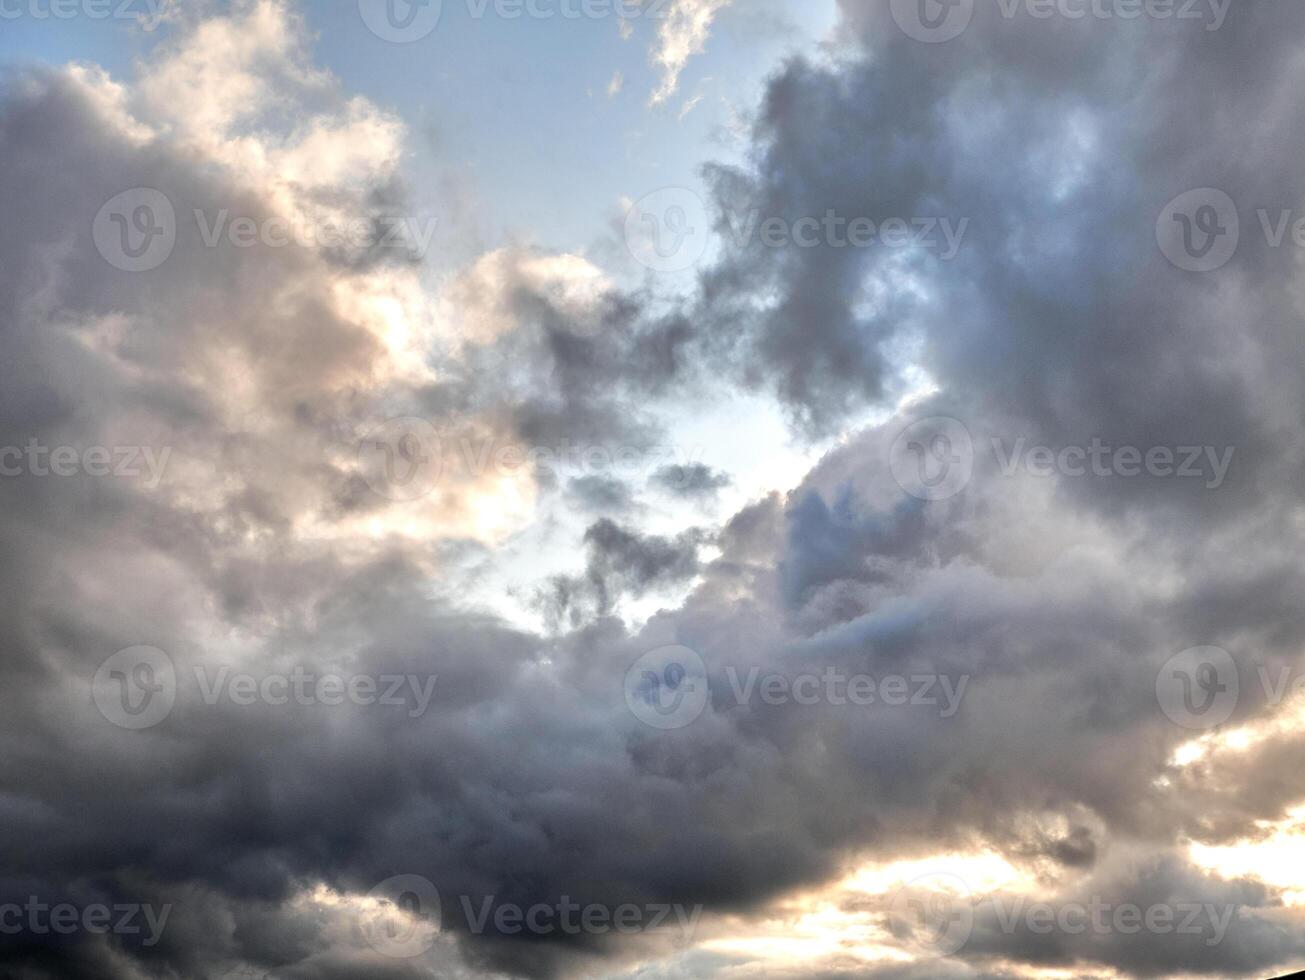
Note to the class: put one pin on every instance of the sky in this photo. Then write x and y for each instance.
(649, 491)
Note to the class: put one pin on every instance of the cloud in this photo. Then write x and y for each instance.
(680, 35)
(268, 545)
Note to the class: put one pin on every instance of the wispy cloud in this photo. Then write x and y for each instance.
(683, 34)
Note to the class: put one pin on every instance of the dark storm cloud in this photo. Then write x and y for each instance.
(600, 493)
(621, 562)
(693, 480)
(528, 778)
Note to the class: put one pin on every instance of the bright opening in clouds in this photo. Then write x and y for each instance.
(659, 489)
